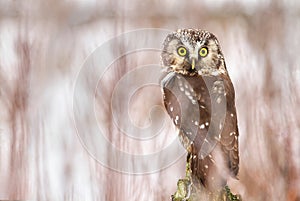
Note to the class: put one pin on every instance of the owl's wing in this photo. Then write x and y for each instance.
(223, 126)
(181, 104)
(216, 100)
(230, 133)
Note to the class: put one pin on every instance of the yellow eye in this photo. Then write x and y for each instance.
(181, 51)
(203, 52)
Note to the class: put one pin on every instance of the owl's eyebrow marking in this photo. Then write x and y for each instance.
(180, 43)
(205, 43)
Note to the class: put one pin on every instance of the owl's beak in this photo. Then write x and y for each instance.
(193, 63)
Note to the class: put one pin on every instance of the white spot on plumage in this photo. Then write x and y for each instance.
(202, 126)
(232, 114)
(206, 166)
(219, 99)
(218, 138)
(181, 88)
(232, 133)
(198, 96)
(180, 83)
(220, 126)
(215, 73)
(196, 123)
(187, 93)
(171, 109)
(176, 119)
(206, 123)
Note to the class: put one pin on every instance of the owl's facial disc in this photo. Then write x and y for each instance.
(192, 51)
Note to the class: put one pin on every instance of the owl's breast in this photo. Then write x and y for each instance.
(197, 106)
(188, 103)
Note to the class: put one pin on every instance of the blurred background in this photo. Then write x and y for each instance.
(43, 47)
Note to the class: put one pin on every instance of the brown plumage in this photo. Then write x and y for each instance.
(199, 98)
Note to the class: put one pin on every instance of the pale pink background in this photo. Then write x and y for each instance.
(43, 45)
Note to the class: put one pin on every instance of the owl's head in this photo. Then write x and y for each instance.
(191, 52)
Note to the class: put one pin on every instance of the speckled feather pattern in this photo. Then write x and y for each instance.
(189, 97)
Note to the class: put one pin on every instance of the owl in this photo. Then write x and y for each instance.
(199, 97)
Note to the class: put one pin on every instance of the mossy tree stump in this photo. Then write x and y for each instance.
(190, 189)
